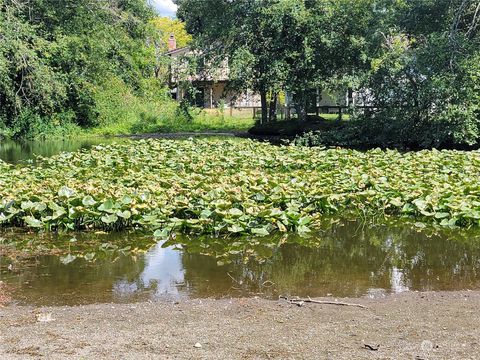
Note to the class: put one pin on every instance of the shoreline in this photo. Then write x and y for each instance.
(412, 325)
(273, 139)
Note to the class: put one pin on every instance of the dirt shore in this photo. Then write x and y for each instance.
(442, 325)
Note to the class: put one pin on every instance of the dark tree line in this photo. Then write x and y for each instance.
(416, 61)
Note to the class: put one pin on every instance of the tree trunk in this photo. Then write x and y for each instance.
(273, 108)
(301, 107)
(263, 96)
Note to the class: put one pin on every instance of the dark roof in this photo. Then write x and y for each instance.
(171, 52)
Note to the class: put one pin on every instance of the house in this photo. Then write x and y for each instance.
(212, 86)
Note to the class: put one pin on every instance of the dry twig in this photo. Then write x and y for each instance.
(301, 302)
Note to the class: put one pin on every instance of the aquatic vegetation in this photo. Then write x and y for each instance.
(18, 246)
(225, 187)
(345, 258)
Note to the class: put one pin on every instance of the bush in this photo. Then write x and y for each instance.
(121, 111)
(415, 107)
(29, 124)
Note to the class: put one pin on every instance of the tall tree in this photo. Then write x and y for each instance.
(53, 57)
(162, 28)
(244, 33)
(424, 76)
(272, 45)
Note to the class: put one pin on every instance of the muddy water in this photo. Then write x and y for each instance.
(348, 259)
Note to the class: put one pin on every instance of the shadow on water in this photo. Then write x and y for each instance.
(18, 152)
(346, 259)
(21, 151)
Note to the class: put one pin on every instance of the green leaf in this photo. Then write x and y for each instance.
(124, 214)
(88, 201)
(304, 220)
(110, 219)
(32, 222)
(236, 229)
(441, 215)
(107, 206)
(302, 229)
(260, 231)
(66, 192)
(205, 214)
(27, 205)
(162, 233)
(65, 260)
(127, 200)
(235, 212)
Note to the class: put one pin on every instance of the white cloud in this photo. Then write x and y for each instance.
(165, 7)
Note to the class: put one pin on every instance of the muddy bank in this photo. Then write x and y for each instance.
(405, 326)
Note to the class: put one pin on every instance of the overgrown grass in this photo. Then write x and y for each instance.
(163, 120)
(120, 111)
(123, 113)
(29, 125)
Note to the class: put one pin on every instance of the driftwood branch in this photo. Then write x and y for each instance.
(301, 302)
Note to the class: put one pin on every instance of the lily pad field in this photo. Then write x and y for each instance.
(224, 187)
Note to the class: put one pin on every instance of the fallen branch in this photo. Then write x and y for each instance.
(301, 302)
(371, 347)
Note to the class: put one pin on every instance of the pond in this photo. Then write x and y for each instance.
(15, 152)
(348, 259)
(345, 259)
(20, 151)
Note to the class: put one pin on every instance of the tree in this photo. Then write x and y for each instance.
(244, 33)
(272, 45)
(161, 30)
(327, 44)
(27, 82)
(53, 58)
(424, 76)
(166, 27)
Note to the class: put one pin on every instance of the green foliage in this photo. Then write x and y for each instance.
(121, 111)
(53, 60)
(424, 78)
(382, 48)
(167, 26)
(275, 45)
(235, 187)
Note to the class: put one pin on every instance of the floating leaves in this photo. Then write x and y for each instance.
(67, 259)
(88, 201)
(221, 187)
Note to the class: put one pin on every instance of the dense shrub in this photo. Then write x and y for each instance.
(54, 59)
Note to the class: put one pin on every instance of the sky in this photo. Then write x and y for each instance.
(165, 7)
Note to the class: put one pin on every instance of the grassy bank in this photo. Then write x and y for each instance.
(165, 119)
(119, 111)
(232, 187)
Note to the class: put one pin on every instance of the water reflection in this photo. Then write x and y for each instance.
(163, 272)
(344, 260)
(19, 151)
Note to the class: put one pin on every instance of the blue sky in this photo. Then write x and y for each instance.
(165, 7)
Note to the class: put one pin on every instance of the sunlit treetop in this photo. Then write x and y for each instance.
(167, 26)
